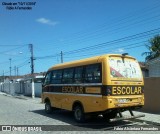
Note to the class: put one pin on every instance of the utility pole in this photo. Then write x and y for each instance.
(61, 57)
(32, 69)
(17, 71)
(3, 76)
(10, 68)
(32, 59)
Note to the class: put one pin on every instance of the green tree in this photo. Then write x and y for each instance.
(154, 48)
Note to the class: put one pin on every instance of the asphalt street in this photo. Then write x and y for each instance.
(20, 111)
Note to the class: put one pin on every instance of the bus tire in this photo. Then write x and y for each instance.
(48, 107)
(79, 114)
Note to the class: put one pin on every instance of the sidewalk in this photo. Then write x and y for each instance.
(20, 96)
(155, 118)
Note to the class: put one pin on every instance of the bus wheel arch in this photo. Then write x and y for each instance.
(78, 111)
(46, 100)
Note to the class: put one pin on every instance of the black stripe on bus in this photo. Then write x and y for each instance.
(104, 90)
(74, 89)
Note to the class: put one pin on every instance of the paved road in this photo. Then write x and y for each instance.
(28, 111)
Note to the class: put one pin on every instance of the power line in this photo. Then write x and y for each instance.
(6, 62)
(129, 46)
(4, 52)
(113, 42)
(19, 66)
(120, 20)
(92, 35)
(104, 28)
(128, 38)
(46, 57)
(9, 45)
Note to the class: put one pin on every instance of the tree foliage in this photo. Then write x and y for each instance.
(154, 48)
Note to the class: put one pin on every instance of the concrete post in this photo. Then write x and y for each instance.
(33, 90)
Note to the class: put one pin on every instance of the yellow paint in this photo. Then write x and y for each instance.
(93, 90)
(70, 94)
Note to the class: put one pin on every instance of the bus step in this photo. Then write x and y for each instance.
(126, 118)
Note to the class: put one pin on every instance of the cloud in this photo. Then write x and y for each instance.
(120, 50)
(13, 53)
(47, 21)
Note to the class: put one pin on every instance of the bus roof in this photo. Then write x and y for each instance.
(86, 61)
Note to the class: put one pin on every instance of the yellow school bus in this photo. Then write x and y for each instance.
(107, 85)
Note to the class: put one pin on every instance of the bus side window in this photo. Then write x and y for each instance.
(68, 76)
(56, 77)
(47, 78)
(93, 74)
(78, 75)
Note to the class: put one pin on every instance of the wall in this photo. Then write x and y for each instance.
(10, 88)
(152, 95)
(154, 67)
(38, 89)
(28, 89)
(21, 88)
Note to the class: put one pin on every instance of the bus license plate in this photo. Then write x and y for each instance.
(123, 100)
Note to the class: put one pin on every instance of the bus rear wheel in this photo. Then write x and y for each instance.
(79, 114)
(48, 108)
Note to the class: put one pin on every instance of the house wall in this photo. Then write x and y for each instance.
(154, 70)
(37, 88)
(21, 88)
(154, 67)
(145, 73)
(10, 88)
(152, 95)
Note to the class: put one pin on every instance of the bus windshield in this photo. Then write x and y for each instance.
(124, 68)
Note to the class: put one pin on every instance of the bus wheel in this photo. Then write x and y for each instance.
(48, 108)
(79, 114)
